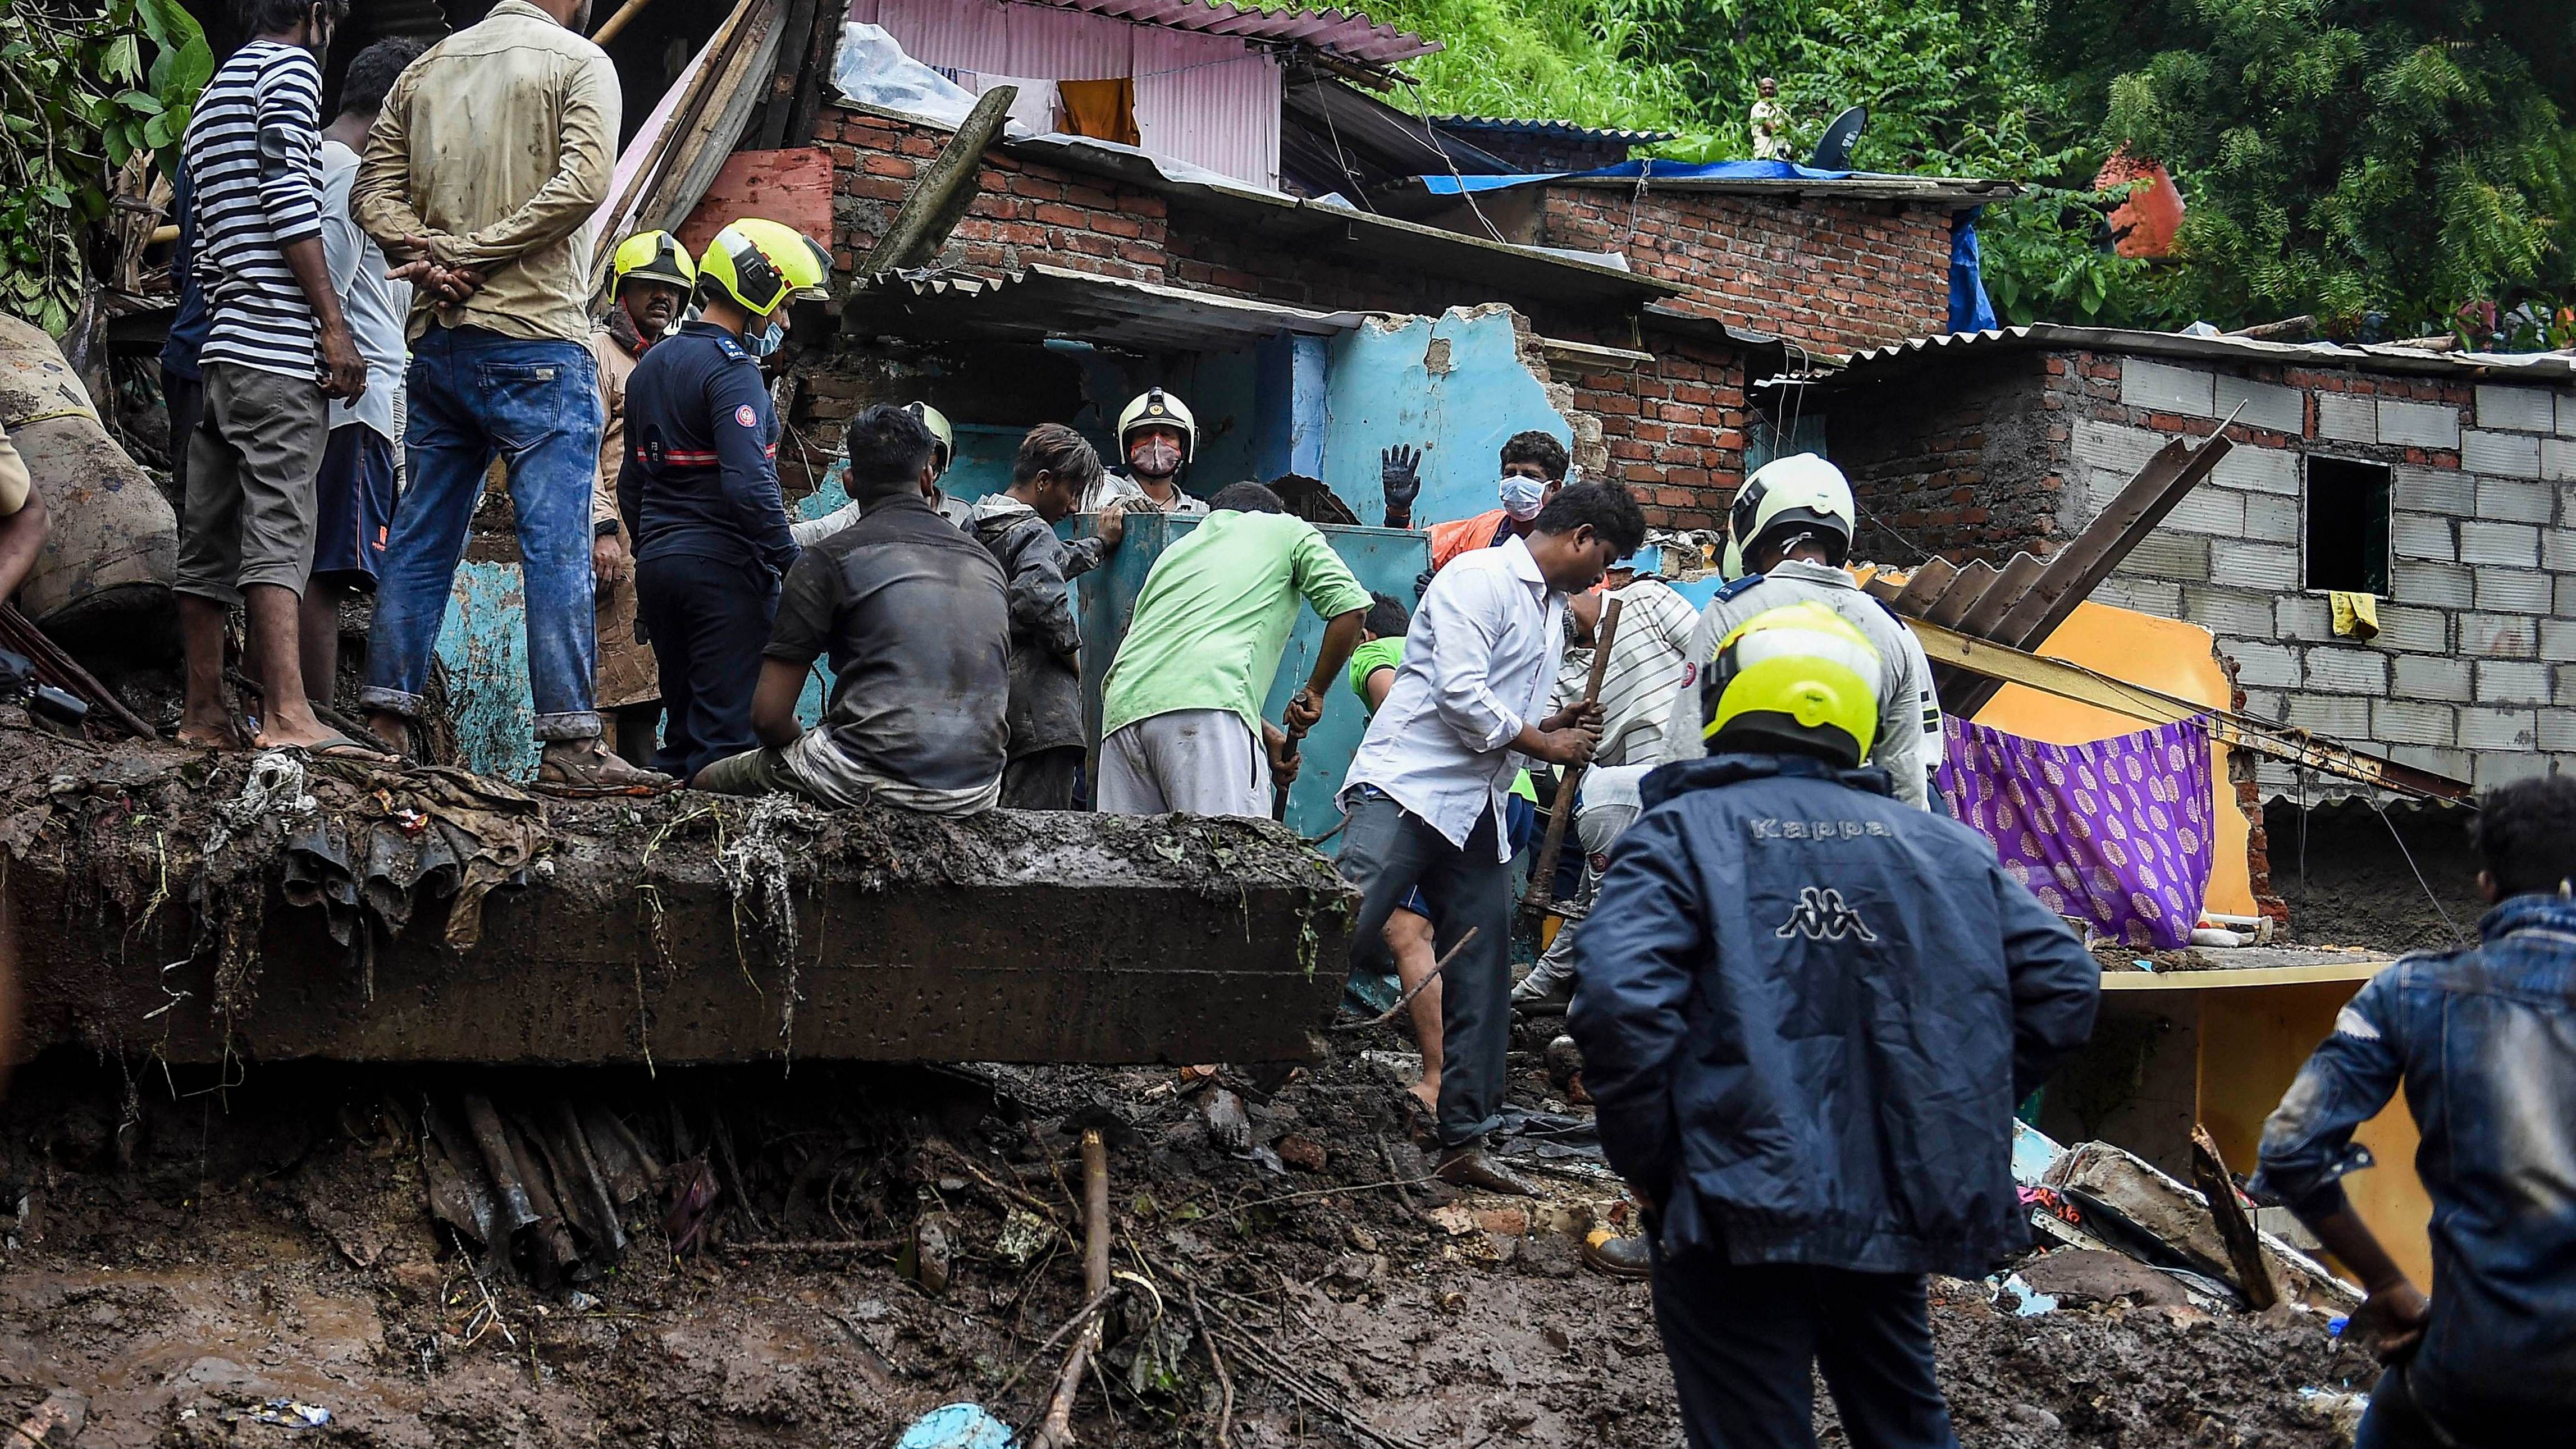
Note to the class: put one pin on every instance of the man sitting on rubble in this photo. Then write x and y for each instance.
(1056, 467)
(1157, 437)
(916, 620)
(480, 180)
(810, 531)
(1180, 713)
(1427, 787)
(2484, 1041)
(1788, 533)
(699, 489)
(1534, 466)
(1806, 1013)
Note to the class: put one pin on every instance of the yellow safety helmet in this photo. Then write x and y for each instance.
(1800, 676)
(760, 264)
(652, 256)
(937, 421)
(1155, 408)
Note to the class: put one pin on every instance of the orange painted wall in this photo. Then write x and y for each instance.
(2166, 655)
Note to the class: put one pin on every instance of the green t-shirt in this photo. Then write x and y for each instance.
(1215, 613)
(1379, 654)
(1371, 657)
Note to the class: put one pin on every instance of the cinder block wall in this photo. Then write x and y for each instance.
(2474, 670)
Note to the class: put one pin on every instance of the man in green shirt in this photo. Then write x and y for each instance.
(1180, 714)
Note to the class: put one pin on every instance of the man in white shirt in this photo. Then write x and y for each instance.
(1425, 791)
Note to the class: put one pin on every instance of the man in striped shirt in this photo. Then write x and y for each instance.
(277, 353)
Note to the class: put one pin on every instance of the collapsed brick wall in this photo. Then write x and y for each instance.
(1831, 276)
(2473, 672)
(1673, 429)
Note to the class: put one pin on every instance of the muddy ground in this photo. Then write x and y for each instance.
(196, 1257)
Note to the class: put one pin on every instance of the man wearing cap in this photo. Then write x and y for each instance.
(650, 281)
(1806, 1013)
(698, 490)
(943, 449)
(1157, 435)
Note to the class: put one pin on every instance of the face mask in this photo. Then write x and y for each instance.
(1155, 458)
(765, 341)
(1522, 497)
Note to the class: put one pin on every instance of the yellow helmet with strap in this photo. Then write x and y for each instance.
(1155, 408)
(1800, 676)
(652, 256)
(761, 264)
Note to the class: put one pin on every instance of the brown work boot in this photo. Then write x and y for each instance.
(1619, 1257)
(587, 769)
(1470, 1165)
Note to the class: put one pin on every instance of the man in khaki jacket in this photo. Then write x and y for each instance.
(491, 156)
(649, 281)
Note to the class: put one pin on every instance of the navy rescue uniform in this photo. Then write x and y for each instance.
(698, 490)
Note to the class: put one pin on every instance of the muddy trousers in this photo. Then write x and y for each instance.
(1387, 850)
(1744, 1344)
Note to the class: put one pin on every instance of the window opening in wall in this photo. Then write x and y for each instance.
(2347, 525)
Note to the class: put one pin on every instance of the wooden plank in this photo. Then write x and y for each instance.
(792, 187)
(769, 128)
(2230, 979)
(2235, 1228)
(932, 209)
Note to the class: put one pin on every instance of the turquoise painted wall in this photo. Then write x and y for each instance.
(484, 646)
(1453, 386)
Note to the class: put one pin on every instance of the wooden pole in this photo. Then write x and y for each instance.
(2235, 1229)
(1055, 1431)
(940, 198)
(617, 22)
(719, 54)
(1542, 886)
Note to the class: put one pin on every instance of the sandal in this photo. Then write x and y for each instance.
(599, 775)
(338, 746)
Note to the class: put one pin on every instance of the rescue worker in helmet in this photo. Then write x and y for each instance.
(1157, 436)
(1788, 534)
(1806, 1014)
(650, 279)
(698, 489)
(943, 439)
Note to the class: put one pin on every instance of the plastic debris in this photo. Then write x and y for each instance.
(2028, 1302)
(1024, 1235)
(957, 1426)
(293, 1414)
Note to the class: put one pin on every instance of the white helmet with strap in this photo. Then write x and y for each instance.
(1155, 408)
(1801, 491)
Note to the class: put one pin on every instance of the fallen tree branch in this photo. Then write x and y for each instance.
(819, 1245)
(1216, 1361)
(1055, 1431)
(1401, 1002)
(1081, 1317)
(1021, 1196)
(1249, 1350)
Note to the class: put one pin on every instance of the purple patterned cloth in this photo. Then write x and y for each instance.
(2117, 831)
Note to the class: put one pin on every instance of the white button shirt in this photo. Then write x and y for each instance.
(1478, 664)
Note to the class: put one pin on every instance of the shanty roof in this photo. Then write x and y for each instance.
(1034, 303)
(1346, 34)
(1567, 129)
(2052, 337)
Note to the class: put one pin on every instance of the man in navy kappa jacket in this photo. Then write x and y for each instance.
(1806, 1012)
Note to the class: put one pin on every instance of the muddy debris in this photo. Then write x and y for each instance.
(829, 1254)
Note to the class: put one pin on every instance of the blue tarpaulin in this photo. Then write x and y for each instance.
(1651, 170)
(1970, 311)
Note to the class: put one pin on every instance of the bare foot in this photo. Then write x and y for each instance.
(208, 728)
(298, 728)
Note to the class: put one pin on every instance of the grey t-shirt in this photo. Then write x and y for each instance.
(913, 617)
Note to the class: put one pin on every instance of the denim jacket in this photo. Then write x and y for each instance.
(2484, 1042)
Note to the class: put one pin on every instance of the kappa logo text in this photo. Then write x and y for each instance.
(1822, 916)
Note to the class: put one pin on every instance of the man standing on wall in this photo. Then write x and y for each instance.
(1426, 789)
(650, 279)
(1055, 468)
(1157, 436)
(276, 354)
(1180, 712)
(493, 152)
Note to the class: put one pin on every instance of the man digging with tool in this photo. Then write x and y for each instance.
(1426, 789)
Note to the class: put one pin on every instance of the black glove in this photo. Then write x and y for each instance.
(1399, 473)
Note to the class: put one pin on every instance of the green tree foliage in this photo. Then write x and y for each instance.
(77, 101)
(2369, 161)
(1570, 60)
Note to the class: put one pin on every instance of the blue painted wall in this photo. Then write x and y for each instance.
(1453, 386)
(1385, 559)
(484, 646)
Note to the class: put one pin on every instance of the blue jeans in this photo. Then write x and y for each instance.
(475, 393)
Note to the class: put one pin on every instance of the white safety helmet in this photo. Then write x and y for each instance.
(1785, 494)
(1155, 408)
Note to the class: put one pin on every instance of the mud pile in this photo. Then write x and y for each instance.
(209, 1259)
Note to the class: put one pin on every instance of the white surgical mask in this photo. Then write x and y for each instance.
(1522, 497)
(766, 340)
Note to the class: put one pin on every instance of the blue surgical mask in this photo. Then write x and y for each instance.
(765, 341)
(1522, 497)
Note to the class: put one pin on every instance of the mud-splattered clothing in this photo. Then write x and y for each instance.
(2484, 1042)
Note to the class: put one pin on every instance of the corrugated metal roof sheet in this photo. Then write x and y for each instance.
(1347, 34)
(2050, 336)
(1509, 126)
(1034, 303)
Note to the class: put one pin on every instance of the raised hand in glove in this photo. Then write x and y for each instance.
(1399, 473)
